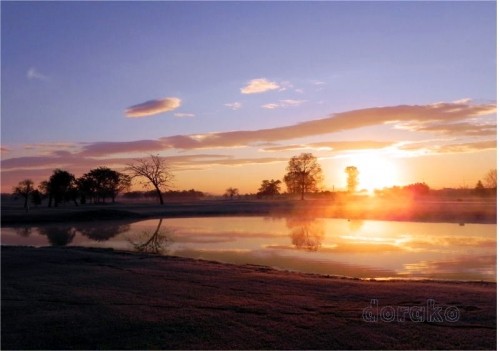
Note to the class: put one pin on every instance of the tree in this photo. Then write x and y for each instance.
(269, 187)
(304, 174)
(61, 186)
(491, 179)
(24, 189)
(479, 189)
(102, 182)
(352, 178)
(156, 172)
(231, 192)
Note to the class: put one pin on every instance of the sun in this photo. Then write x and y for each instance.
(376, 171)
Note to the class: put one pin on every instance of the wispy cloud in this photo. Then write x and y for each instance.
(390, 115)
(283, 104)
(463, 128)
(182, 115)
(153, 107)
(33, 73)
(464, 147)
(234, 105)
(259, 85)
(333, 146)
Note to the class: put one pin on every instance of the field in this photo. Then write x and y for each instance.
(429, 209)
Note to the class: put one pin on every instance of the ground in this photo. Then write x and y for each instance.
(75, 298)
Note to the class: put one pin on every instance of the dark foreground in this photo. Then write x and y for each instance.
(74, 298)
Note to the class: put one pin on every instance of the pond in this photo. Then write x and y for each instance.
(357, 248)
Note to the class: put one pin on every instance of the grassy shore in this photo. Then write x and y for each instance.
(74, 298)
(399, 209)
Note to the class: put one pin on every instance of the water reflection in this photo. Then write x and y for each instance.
(58, 236)
(156, 242)
(306, 233)
(102, 232)
(24, 231)
(64, 235)
(363, 249)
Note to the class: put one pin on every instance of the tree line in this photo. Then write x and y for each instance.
(97, 185)
(303, 175)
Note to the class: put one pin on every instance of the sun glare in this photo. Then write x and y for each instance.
(375, 171)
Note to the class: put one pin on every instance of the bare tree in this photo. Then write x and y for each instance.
(156, 172)
(24, 189)
(491, 179)
(304, 174)
(231, 192)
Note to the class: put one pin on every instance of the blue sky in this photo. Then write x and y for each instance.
(70, 71)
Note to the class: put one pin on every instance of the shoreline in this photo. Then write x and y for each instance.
(371, 209)
(83, 298)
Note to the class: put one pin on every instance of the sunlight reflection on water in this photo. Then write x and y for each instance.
(358, 248)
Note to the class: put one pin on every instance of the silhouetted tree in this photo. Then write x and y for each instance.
(352, 178)
(101, 183)
(36, 197)
(269, 187)
(491, 179)
(24, 189)
(479, 189)
(417, 189)
(304, 174)
(155, 171)
(61, 187)
(231, 192)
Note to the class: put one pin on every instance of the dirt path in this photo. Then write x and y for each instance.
(74, 298)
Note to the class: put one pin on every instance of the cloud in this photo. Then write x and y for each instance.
(33, 73)
(153, 107)
(283, 104)
(270, 106)
(333, 146)
(431, 147)
(391, 115)
(117, 147)
(233, 105)
(182, 115)
(259, 85)
(462, 128)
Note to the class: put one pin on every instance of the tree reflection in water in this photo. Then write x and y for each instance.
(102, 232)
(58, 236)
(156, 242)
(23, 231)
(306, 233)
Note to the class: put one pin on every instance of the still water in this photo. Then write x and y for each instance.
(357, 248)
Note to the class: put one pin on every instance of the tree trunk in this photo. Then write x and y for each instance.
(160, 196)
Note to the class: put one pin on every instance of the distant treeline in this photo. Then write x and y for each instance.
(171, 194)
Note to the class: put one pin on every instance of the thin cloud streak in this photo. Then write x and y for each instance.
(153, 107)
(283, 104)
(234, 105)
(333, 146)
(33, 73)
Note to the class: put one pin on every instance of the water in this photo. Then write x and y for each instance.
(358, 248)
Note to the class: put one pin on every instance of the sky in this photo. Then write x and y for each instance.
(227, 92)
